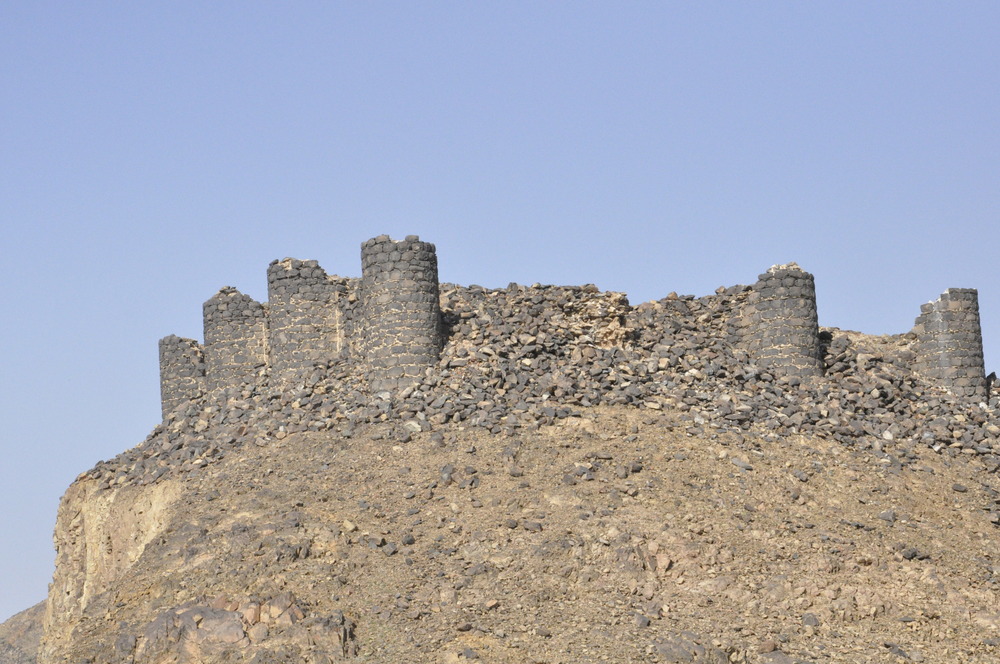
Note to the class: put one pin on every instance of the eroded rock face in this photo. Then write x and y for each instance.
(139, 569)
(99, 535)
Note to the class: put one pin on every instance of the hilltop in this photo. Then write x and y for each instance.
(615, 535)
(392, 469)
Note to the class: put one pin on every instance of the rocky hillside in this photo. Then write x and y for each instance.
(613, 535)
(577, 480)
(20, 635)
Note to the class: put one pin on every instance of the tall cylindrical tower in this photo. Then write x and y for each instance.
(402, 334)
(949, 348)
(781, 329)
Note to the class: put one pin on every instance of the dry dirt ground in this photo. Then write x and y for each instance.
(619, 535)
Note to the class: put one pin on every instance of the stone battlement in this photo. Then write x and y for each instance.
(390, 327)
(308, 316)
(235, 347)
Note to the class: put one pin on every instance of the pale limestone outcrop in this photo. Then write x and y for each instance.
(99, 534)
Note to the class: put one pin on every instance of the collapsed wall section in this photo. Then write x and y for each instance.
(235, 340)
(949, 347)
(182, 372)
(307, 312)
(402, 332)
(780, 324)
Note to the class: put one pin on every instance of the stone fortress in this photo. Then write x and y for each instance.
(389, 323)
(391, 318)
(387, 399)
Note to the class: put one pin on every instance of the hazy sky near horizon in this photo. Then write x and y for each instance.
(154, 152)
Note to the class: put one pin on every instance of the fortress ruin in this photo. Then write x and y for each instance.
(390, 325)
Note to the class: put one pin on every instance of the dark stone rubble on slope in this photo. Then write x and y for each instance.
(518, 358)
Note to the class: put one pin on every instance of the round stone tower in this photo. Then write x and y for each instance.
(235, 340)
(949, 348)
(781, 329)
(305, 326)
(182, 372)
(402, 334)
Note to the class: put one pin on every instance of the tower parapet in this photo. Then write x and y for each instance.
(949, 347)
(182, 372)
(781, 328)
(401, 310)
(307, 316)
(235, 340)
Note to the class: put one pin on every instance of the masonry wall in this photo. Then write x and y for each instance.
(389, 324)
(780, 325)
(308, 313)
(949, 346)
(235, 340)
(182, 372)
(401, 332)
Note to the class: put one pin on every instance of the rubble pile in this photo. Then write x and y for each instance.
(528, 356)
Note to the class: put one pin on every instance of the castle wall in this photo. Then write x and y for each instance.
(780, 325)
(402, 334)
(949, 347)
(235, 340)
(182, 372)
(307, 314)
(388, 325)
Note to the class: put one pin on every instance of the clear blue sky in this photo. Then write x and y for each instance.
(153, 152)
